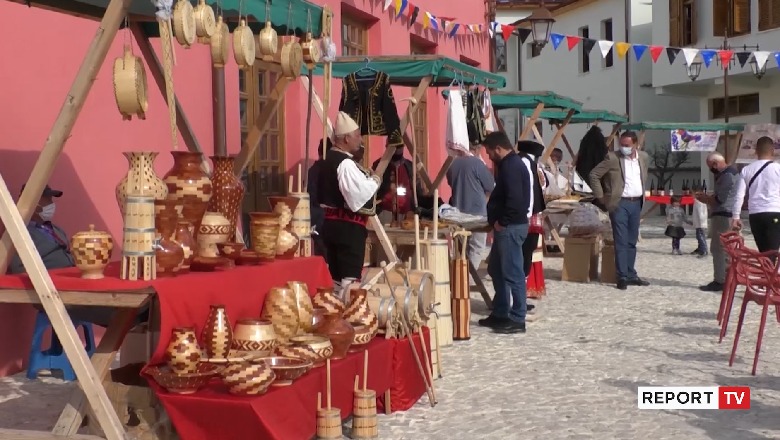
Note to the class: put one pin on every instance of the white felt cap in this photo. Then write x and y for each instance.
(345, 124)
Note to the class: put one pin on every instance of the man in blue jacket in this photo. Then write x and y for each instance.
(507, 213)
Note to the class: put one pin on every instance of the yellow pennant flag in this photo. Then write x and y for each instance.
(398, 4)
(622, 49)
(426, 20)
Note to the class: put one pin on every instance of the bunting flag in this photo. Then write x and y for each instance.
(523, 34)
(707, 55)
(572, 41)
(655, 52)
(413, 16)
(725, 57)
(639, 50)
(761, 56)
(690, 55)
(432, 19)
(777, 58)
(605, 47)
(400, 5)
(671, 53)
(387, 4)
(622, 49)
(588, 44)
(506, 30)
(454, 29)
(556, 40)
(426, 23)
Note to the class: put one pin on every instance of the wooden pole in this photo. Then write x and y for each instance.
(557, 136)
(66, 119)
(613, 136)
(531, 121)
(735, 156)
(566, 141)
(218, 111)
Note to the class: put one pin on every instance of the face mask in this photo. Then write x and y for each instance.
(626, 151)
(47, 212)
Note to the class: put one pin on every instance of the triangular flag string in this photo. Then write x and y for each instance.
(572, 41)
(605, 47)
(639, 50)
(655, 52)
(588, 44)
(523, 34)
(690, 55)
(777, 58)
(761, 56)
(707, 55)
(671, 53)
(556, 40)
(622, 49)
(725, 58)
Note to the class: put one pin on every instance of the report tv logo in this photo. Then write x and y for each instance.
(693, 398)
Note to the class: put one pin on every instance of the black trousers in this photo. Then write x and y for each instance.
(529, 245)
(345, 246)
(765, 227)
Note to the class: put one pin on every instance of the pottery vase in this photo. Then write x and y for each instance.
(287, 242)
(227, 192)
(217, 334)
(304, 306)
(183, 353)
(169, 254)
(282, 310)
(214, 229)
(339, 331)
(140, 180)
(91, 252)
(254, 335)
(190, 186)
(359, 313)
(183, 236)
(317, 316)
(265, 233)
(326, 299)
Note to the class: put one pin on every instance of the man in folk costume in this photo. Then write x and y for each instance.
(346, 194)
(531, 151)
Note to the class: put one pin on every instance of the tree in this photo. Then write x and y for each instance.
(665, 163)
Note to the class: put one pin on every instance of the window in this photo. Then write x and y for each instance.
(740, 105)
(266, 168)
(354, 36)
(682, 22)
(606, 34)
(500, 55)
(584, 32)
(732, 16)
(768, 14)
(534, 50)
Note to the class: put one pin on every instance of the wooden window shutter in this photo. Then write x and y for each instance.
(720, 15)
(675, 22)
(775, 9)
(741, 17)
(768, 14)
(694, 24)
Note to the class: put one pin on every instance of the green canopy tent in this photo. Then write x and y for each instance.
(738, 127)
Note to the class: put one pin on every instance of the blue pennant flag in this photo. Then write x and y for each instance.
(404, 4)
(707, 55)
(556, 40)
(455, 29)
(777, 58)
(639, 50)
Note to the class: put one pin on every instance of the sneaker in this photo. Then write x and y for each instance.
(493, 321)
(712, 287)
(511, 327)
(638, 282)
(703, 254)
(696, 252)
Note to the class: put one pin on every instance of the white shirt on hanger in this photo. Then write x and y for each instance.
(764, 194)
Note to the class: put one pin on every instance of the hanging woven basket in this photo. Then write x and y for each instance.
(205, 22)
(291, 58)
(311, 50)
(220, 44)
(244, 45)
(184, 23)
(130, 85)
(269, 42)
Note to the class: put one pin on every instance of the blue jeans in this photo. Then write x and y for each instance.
(625, 232)
(505, 266)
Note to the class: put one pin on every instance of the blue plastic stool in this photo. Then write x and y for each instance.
(54, 358)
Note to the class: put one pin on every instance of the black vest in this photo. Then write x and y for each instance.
(328, 182)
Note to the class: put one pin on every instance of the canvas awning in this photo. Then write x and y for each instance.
(584, 116)
(408, 70)
(690, 126)
(529, 100)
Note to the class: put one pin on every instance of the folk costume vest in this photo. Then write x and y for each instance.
(330, 192)
(369, 101)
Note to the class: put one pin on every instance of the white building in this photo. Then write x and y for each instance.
(622, 85)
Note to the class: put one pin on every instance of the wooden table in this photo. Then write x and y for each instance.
(557, 207)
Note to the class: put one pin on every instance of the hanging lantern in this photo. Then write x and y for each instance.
(694, 69)
(758, 73)
(541, 20)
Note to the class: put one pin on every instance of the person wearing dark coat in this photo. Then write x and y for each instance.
(317, 213)
(532, 151)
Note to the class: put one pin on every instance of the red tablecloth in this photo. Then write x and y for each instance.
(666, 200)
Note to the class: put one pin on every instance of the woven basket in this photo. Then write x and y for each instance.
(205, 22)
(184, 23)
(220, 44)
(244, 45)
(130, 85)
(269, 42)
(291, 58)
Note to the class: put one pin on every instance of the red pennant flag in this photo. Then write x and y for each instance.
(655, 52)
(725, 57)
(507, 30)
(572, 40)
(409, 10)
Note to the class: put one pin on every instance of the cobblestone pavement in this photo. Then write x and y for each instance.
(575, 373)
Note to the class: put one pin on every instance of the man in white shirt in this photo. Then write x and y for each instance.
(347, 196)
(761, 180)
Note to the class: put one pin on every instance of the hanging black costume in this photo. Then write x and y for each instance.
(369, 101)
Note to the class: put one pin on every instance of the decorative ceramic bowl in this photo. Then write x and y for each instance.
(187, 383)
(286, 369)
(233, 357)
(303, 352)
(230, 250)
(248, 258)
(320, 345)
(254, 335)
(363, 336)
(248, 379)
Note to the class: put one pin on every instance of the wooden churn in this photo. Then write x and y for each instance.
(364, 421)
(329, 423)
(459, 285)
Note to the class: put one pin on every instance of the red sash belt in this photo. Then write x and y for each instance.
(346, 216)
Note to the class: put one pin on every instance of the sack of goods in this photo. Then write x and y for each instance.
(585, 221)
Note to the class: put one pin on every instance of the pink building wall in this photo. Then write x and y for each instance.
(45, 63)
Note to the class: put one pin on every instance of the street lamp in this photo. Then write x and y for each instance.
(541, 20)
(694, 69)
(758, 73)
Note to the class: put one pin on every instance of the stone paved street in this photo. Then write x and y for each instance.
(574, 374)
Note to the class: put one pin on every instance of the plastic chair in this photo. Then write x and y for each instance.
(731, 242)
(764, 291)
(53, 358)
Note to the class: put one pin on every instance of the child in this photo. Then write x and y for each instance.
(675, 218)
(700, 214)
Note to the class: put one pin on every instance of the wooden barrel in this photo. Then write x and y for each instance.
(138, 239)
(461, 319)
(405, 300)
(329, 423)
(386, 312)
(301, 218)
(439, 260)
(364, 422)
(422, 281)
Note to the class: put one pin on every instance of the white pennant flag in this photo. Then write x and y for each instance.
(690, 55)
(761, 57)
(387, 4)
(605, 47)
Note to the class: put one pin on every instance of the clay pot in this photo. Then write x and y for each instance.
(248, 379)
(183, 353)
(166, 216)
(214, 228)
(304, 306)
(359, 313)
(217, 334)
(287, 242)
(318, 315)
(254, 335)
(339, 331)
(140, 180)
(91, 252)
(183, 236)
(326, 299)
(227, 192)
(320, 345)
(265, 233)
(281, 308)
(188, 184)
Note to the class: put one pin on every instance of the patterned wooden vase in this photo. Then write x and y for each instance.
(359, 313)
(326, 299)
(304, 305)
(183, 236)
(248, 379)
(217, 334)
(227, 192)
(140, 180)
(303, 352)
(188, 184)
(287, 243)
(339, 331)
(92, 251)
(265, 233)
(254, 335)
(318, 315)
(169, 255)
(214, 228)
(183, 353)
(281, 309)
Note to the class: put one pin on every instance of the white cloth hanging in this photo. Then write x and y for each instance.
(487, 110)
(457, 132)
